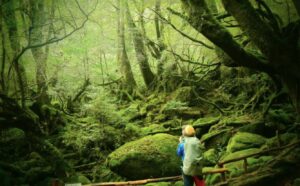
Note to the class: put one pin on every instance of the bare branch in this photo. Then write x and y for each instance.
(192, 62)
(54, 39)
(180, 32)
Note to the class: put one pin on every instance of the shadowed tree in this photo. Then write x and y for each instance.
(122, 57)
(39, 18)
(11, 40)
(140, 51)
(279, 52)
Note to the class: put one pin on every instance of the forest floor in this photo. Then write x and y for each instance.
(239, 117)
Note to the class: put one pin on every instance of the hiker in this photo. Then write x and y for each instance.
(190, 150)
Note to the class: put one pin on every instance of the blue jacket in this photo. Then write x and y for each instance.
(180, 150)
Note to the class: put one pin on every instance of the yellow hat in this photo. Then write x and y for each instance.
(189, 130)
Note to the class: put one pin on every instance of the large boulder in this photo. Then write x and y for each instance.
(244, 140)
(150, 156)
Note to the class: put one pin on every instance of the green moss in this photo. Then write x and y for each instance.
(285, 139)
(244, 140)
(211, 155)
(178, 183)
(182, 94)
(151, 156)
(207, 121)
(212, 179)
(212, 134)
(239, 154)
(132, 130)
(12, 134)
(159, 184)
(237, 120)
(152, 128)
(78, 178)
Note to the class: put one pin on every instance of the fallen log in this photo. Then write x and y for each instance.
(153, 180)
(137, 182)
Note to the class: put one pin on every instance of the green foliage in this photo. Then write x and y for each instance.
(243, 140)
(173, 105)
(104, 110)
(89, 132)
(150, 156)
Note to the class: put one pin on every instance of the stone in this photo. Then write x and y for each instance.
(149, 157)
(244, 140)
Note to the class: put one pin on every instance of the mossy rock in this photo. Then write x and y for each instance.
(78, 178)
(182, 94)
(244, 140)
(238, 120)
(283, 139)
(132, 130)
(258, 128)
(159, 184)
(216, 138)
(150, 156)
(211, 179)
(152, 128)
(211, 156)
(238, 154)
(12, 134)
(178, 183)
(237, 168)
(132, 112)
(207, 121)
(296, 182)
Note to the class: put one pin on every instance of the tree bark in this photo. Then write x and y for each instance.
(297, 6)
(10, 19)
(201, 18)
(259, 31)
(140, 51)
(279, 54)
(3, 55)
(122, 57)
(38, 19)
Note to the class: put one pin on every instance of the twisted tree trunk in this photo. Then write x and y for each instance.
(278, 56)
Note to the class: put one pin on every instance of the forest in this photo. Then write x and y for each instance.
(95, 92)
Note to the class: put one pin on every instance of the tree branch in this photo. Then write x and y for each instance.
(182, 33)
(192, 62)
(54, 39)
(200, 17)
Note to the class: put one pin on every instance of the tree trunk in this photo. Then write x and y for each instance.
(279, 55)
(140, 51)
(201, 18)
(123, 60)
(297, 6)
(10, 19)
(38, 18)
(2, 55)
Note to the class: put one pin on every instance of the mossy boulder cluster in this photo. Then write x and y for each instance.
(267, 166)
(150, 156)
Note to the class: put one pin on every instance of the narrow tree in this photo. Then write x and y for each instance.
(124, 64)
(140, 51)
(13, 42)
(37, 36)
